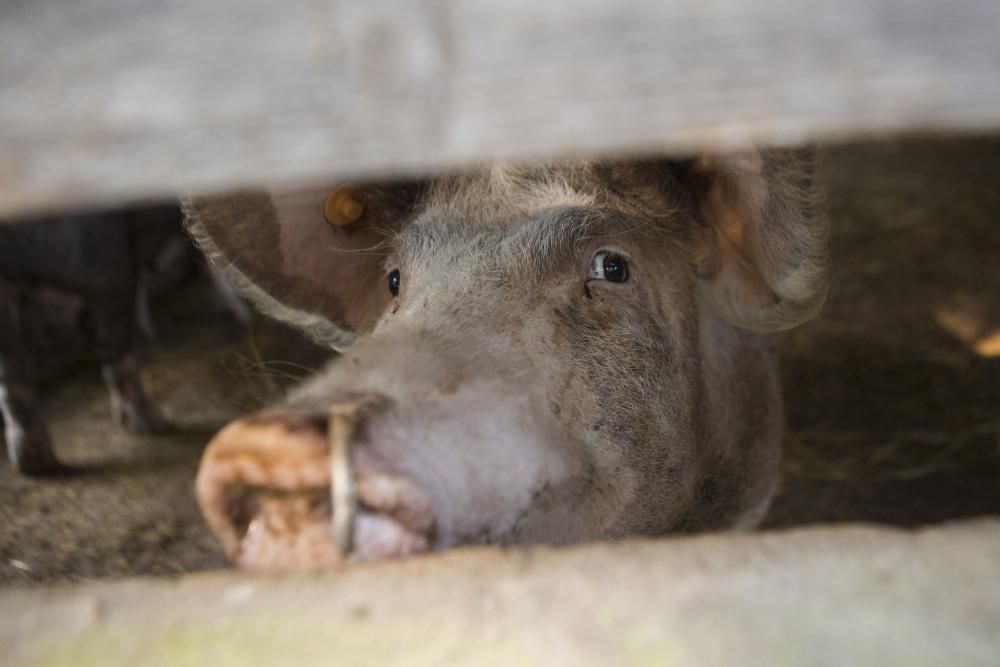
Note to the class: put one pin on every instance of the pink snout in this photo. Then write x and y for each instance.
(264, 487)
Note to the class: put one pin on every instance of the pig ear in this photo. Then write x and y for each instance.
(311, 258)
(762, 256)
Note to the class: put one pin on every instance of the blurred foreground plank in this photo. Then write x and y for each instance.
(108, 99)
(838, 596)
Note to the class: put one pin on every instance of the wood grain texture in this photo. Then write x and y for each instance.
(837, 595)
(108, 99)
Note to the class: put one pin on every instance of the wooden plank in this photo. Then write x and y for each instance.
(109, 99)
(834, 596)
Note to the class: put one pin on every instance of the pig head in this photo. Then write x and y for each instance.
(544, 353)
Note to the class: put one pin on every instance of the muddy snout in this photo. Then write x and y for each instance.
(285, 490)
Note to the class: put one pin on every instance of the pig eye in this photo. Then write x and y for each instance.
(394, 282)
(608, 265)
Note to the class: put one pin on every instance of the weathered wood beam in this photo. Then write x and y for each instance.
(109, 99)
(832, 596)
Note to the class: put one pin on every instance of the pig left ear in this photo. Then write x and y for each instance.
(762, 252)
(312, 257)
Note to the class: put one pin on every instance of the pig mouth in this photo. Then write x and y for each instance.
(285, 493)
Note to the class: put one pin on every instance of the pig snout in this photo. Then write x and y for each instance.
(280, 495)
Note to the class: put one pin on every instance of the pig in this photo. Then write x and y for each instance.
(542, 353)
(101, 257)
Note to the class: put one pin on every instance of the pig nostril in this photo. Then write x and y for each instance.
(281, 492)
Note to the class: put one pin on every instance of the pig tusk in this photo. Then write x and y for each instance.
(343, 492)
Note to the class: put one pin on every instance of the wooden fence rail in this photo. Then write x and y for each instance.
(102, 100)
(829, 596)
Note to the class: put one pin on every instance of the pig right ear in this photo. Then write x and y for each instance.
(762, 248)
(306, 257)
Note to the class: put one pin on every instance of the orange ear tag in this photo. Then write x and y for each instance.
(345, 205)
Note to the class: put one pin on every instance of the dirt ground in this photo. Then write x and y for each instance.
(893, 394)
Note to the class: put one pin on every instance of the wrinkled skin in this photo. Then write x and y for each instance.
(518, 396)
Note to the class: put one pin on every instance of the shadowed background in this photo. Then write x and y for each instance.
(891, 395)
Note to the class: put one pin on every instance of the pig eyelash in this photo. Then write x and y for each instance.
(608, 265)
